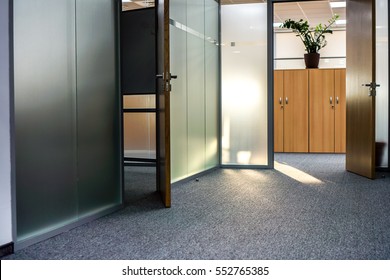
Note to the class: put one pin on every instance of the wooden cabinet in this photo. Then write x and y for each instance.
(291, 111)
(321, 111)
(309, 110)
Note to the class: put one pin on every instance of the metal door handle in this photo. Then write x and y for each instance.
(372, 88)
(280, 100)
(337, 100)
(331, 100)
(173, 76)
(160, 76)
(286, 100)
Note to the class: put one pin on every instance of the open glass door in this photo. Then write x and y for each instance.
(163, 85)
(361, 87)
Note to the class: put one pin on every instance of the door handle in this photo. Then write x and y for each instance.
(337, 100)
(281, 102)
(286, 100)
(372, 88)
(161, 76)
(331, 100)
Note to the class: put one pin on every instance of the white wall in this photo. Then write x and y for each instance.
(5, 163)
(288, 45)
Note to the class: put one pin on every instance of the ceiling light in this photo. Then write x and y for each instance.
(341, 21)
(126, 1)
(338, 4)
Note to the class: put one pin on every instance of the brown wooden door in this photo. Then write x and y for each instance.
(163, 77)
(278, 111)
(340, 114)
(296, 117)
(360, 153)
(321, 111)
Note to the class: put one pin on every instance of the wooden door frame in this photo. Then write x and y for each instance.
(270, 62)
(164, 184)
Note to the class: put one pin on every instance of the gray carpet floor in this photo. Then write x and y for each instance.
(240, 214)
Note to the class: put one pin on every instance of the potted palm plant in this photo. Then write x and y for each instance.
(312, 38)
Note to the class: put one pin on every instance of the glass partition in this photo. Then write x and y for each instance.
(98, 151)
(212, 81)
(67, 110)
(244, 85)
(45, 109)
(194, 98)
(382, 78)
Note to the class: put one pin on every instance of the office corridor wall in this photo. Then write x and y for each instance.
(194, 28)
(67, 109)
(5, 143)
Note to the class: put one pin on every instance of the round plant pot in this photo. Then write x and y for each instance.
(312, 60)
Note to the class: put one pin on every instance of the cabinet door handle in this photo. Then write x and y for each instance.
(286, 100)
(280, 100)
(337, 100)
(331, 100)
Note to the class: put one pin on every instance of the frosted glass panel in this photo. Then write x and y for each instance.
(178, 11)
(67, 124)
(194, 29)
(179, 145)
(196, 102)
(98, 106)
(382, 78)
(45, 92)
(211, 82)
(244, 84)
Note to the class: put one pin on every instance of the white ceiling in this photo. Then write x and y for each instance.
(314, 12)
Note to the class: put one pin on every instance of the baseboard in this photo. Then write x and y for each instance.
(6, 249)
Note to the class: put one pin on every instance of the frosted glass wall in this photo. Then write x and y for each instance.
(67, 128)
(244, 84)
(382, 78)
(194, 96)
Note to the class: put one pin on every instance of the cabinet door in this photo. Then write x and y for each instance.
(340, 110)
(296, 117)
(278, 111)
(321, 111)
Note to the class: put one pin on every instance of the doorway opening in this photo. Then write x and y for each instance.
(138, 60)
(309, 104)
(316, 122)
